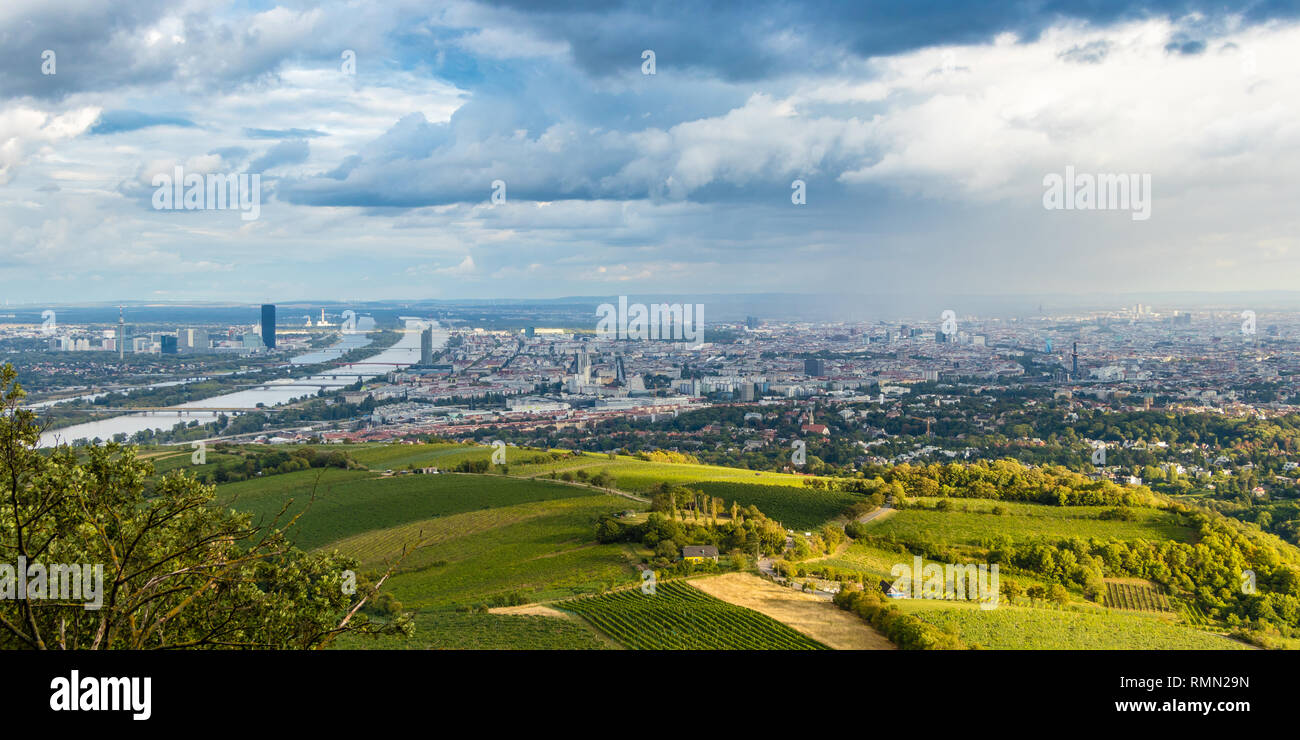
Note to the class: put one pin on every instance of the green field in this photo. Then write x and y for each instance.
(167, 459)
(542, 551)
(451, 630)
(397, 456)
(1038, 522)
(348, 502)
(681, 617)
(1030, 628)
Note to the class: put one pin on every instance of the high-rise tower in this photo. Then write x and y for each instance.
(268, 325)
(1074, 355)
(121, 335)
(426, 346)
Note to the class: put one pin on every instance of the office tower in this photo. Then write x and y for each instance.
(751, 322)
(426, 346)
(1048, 348)
(167, 343)
(195, 340)
(940, 337)
(746, 391)
(530, 331)
(268, 325)
(814, 368)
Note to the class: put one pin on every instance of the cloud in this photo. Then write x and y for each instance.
(922, 132)
(119, 121)
(290, 133)
(294, 151)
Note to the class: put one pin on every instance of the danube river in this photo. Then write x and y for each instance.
(274, 393)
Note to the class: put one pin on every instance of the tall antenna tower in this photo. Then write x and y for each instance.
(121, 335)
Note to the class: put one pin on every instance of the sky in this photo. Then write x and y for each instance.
(417, 150)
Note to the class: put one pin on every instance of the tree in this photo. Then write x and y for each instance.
(178, 570)
(1056, 592)
(666, 549)
(1011, 590)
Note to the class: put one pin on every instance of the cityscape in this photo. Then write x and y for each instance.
(337, 338)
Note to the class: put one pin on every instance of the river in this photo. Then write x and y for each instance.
(405, 352)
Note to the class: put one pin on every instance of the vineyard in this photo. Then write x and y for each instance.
(1194, 617)
(681, 617)
(1135, 597)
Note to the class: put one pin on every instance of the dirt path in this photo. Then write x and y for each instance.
(540, 610)
(880, 513)
(808, 614)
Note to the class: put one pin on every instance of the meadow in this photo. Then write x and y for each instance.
(442, 629)
(1034, 628)
(341, 503)
(1029, 522)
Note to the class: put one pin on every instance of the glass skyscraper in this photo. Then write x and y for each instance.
(268, 325)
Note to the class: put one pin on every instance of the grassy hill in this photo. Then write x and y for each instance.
(341, 503)
(1028, 522)
(1032, 628)
(475, 541)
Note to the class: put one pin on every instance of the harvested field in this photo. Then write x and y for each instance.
(808, 614)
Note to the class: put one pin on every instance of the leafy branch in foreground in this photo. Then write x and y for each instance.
(179, 571)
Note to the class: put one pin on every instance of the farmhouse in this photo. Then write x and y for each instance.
(700, 553)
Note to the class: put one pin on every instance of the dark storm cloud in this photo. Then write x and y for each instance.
(93, 47)
(746, 41)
